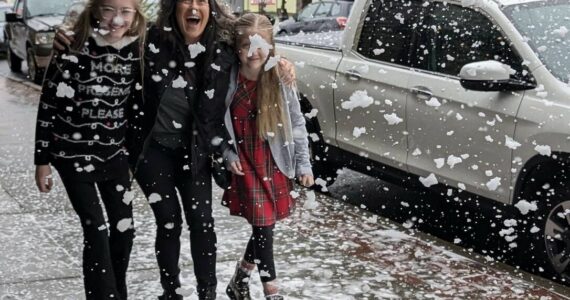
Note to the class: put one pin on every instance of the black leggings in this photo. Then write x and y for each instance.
(260, 250)
(160, 174)
(105, 257)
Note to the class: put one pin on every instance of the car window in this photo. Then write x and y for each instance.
(42, 7)
(308, 11)
(323, 10)
(387, 30)
(453, 36)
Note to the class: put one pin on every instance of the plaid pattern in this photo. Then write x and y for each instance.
(262, 195)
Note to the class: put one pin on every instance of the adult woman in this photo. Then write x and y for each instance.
(186, 66)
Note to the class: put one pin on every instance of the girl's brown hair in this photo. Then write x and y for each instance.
(271, 113)
(89, 19)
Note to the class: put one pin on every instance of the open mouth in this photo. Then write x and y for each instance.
(193, 20)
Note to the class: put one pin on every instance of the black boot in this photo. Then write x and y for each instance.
(238, 288)
(170, 283)
(207, 294)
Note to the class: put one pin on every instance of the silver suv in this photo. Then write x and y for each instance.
(472, 95)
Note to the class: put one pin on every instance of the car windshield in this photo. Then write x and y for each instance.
(546, 24)
(43, 7)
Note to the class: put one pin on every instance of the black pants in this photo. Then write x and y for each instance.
(260, 250)
(106, 251)
(160, 174)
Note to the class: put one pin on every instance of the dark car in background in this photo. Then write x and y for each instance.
(3, 9)
(318, 17)
(29, 31)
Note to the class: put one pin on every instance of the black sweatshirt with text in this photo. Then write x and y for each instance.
(89, 107)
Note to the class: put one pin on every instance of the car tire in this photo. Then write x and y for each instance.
(546, 231)
(36, 74)
(324, 169)
(14, 62)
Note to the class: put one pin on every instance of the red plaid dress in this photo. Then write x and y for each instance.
(262, 195)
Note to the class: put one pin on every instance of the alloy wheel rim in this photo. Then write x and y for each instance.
(557, 238)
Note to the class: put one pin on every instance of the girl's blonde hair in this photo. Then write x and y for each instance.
(271, 113)
(89, 19)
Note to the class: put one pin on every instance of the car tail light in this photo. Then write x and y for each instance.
(341, 21)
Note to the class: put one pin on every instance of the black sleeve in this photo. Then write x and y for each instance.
(212, 107)
(47, 111)
(134, 111)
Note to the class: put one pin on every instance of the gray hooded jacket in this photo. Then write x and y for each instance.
(291, 157)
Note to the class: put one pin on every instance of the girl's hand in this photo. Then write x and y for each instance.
(62, 40)
(235, 167)
(307, 180)
(287, 71)
(44, 180)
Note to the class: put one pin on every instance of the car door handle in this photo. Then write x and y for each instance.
(353, 75)
(422, 92)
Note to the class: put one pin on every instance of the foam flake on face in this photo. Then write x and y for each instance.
(119, 188)
(118, 21)
(258, 42)
(176, 124)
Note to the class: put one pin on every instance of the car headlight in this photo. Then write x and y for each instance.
(43, 38)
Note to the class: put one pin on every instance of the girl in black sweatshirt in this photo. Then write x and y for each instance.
(88, 112)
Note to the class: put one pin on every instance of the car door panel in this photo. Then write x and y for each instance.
(463, 136)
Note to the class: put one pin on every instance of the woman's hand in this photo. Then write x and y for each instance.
(62, 40)
(307, 180)
(44, 180)
(287, 71)
(235, 167)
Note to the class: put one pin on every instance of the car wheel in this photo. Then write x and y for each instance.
(14, 62)
(35, 73)
(324, 169)
(546, 236)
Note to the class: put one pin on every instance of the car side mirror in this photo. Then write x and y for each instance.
(491, 76)
(13, 17)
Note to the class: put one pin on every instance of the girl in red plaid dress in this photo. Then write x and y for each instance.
(269, 148)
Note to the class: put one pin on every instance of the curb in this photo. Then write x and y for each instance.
(23, 81)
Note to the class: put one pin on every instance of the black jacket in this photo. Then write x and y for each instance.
(161, 68)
